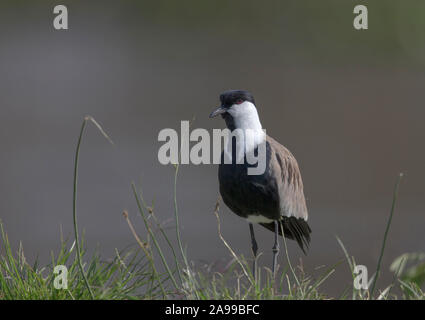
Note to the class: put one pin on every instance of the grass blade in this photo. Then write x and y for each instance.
(74, 202)
(378, 268)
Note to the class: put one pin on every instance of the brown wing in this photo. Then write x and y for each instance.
(290, 185)
(293, 208)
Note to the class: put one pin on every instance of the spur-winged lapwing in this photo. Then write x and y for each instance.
(272, 199)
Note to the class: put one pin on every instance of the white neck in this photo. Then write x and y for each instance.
(245, 118)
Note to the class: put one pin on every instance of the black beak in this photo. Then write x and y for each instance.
(218, 111)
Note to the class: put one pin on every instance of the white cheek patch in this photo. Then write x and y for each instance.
(236, 110)
(245, 116)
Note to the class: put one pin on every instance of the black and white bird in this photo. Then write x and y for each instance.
(272, 199)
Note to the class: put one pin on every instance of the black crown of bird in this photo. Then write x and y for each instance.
(274, 199)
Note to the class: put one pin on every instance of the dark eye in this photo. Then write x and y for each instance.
(239, 101)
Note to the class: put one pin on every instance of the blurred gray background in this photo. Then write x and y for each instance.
(349, 104)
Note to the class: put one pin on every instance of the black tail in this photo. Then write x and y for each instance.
(295, 229)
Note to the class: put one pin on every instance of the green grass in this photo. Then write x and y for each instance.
(134, 273)
(126, 276)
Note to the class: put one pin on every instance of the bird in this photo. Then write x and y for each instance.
(274, 199)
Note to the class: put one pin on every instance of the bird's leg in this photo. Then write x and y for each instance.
(254, 250)
(275, 246)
